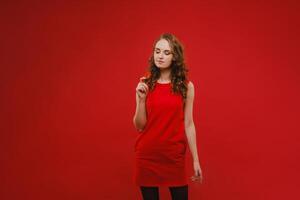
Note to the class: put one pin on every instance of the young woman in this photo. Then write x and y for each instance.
(164, 120)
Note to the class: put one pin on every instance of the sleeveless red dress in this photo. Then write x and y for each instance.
(161, 147)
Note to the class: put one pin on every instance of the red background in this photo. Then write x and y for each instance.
(68, 78)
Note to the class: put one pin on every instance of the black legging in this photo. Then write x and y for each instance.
(177, 193)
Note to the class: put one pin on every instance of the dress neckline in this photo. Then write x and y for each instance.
(163, 83)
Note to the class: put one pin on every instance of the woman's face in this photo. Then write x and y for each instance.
(163, 54)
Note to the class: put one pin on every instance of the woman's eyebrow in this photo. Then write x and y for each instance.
(165, 49)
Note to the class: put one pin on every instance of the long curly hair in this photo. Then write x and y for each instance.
(179, 70)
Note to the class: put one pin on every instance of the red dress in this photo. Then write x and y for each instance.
(161, 147)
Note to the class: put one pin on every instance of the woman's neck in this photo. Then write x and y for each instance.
(165, 75)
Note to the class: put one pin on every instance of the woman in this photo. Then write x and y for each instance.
(164, 120)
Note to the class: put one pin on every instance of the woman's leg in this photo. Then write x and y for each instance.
(179, 192)
(150, 193)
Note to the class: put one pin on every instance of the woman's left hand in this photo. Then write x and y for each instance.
(198, 173)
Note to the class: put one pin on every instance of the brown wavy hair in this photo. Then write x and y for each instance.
(179, 70)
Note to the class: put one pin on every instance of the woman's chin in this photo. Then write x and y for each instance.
(161, 66)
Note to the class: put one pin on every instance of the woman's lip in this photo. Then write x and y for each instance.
(160, 61)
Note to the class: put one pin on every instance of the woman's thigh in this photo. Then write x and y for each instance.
(150, 193)
(179, 192)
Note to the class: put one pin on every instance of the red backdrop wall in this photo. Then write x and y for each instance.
(68, 78)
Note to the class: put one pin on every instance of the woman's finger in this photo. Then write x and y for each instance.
(139, 88)
(146, 86)
(196, 180)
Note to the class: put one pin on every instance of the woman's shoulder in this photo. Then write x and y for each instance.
(189, 83)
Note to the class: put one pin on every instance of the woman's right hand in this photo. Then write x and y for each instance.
(142, 89)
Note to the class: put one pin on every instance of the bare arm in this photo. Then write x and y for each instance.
(140, 119)
(189, 122)
(140, 116)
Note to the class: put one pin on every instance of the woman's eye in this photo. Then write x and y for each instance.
(165, 52)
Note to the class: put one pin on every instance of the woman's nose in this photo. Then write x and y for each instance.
(160, 55)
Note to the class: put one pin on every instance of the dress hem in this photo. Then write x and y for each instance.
(162, 184)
